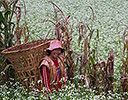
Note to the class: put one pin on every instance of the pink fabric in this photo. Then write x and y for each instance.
(54, 44)
(45, 77)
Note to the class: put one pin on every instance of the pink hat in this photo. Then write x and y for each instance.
(54, 44)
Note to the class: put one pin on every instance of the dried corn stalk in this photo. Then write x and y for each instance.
(103, 74)
(124, 67)
(87, 55)
(61, 32)
(124, 74)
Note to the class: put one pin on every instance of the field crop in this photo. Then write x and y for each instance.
(109, 15)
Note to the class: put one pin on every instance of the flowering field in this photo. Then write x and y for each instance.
(108, 14)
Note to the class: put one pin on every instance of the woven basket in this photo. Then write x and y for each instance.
(25, 59)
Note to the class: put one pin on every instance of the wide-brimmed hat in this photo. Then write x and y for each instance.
(55, 44)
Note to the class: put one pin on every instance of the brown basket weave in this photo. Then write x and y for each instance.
(26, 58)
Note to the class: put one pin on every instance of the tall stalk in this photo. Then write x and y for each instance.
(8, 32)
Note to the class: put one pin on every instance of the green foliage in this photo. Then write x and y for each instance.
(110, 14)
(6, 33)
(10, 33)
(69, 92)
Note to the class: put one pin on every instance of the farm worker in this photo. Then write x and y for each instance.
(52, 67)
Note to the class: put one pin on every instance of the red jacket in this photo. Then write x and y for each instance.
(51, 76)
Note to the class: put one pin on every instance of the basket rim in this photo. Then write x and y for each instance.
(27, 49)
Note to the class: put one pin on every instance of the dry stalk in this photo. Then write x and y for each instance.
(124, 67)
(61, 32)
(104, 74)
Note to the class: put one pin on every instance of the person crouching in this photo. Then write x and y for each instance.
(52, 67)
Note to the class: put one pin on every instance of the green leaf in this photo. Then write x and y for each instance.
(7, 67)
(98, 34)
(111, 78)
(92, 60)
(79, 40)
(1, 43)
(6, 14)
(3, 72)
(1, 17)
(1, 26)
(91, 34)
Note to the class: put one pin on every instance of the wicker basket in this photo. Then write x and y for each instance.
(26, 58)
